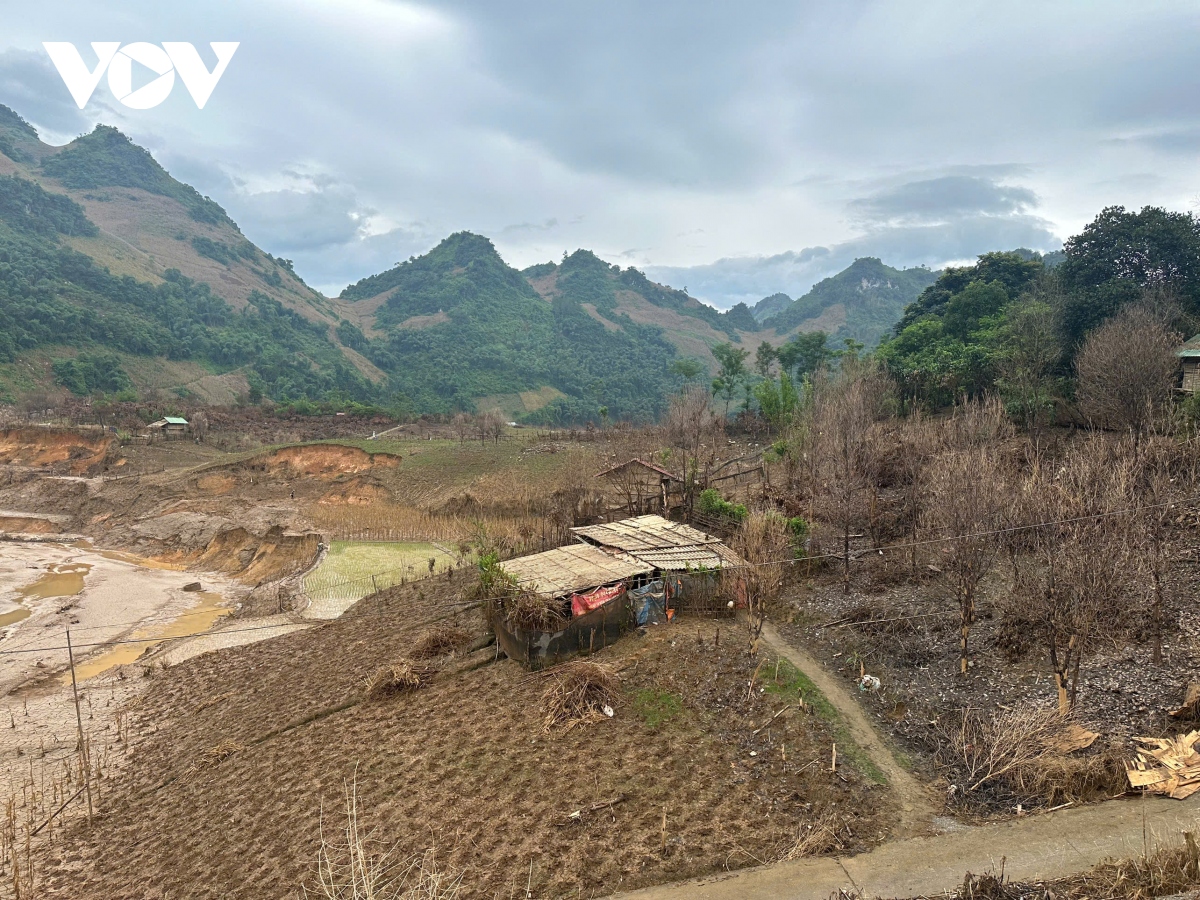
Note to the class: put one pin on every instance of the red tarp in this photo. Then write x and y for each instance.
(585, 603)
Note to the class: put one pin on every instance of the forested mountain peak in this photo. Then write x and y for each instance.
(18, 139)
(107, 158)
(770, 306)
(861, 302)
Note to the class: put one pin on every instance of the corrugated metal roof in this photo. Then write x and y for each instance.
(1190, 348)
(681, 559)
(671, 546)
(174, 420)
(573, 568)
(643, 533)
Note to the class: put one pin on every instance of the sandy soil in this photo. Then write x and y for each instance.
(103, 597)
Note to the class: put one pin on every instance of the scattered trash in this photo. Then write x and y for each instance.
(868, 683)
(1169, 766)
(1073, 737)
(607, 710)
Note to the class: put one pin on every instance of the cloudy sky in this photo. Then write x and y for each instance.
(735, 148)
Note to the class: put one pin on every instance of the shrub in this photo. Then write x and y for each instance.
(797, 529)
(713, 504)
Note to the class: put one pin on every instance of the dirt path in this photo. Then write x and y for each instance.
(1052, 845)
(919, 861)
(918, 807)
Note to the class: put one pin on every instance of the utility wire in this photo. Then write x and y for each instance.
(791, 561)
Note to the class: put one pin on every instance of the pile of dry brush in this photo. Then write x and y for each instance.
(395, 678)
(1026, 754)
(440, 641)
(579, 693)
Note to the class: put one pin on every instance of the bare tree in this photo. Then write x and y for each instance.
(1164, 473)
(199, 425)
(845, 406)
(693, 429)
(489, 425)
(495, 424)
(1126, 371)
(917, 440)
(966, 498)
(1077, 594)
(462, 425)
(762, 542)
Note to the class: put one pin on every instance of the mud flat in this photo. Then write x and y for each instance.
(103, 597)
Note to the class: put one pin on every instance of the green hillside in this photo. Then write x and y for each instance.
(117, 278)
(1013, 322)
(106, 158)
(770, 306)
(862, 302)
(53, 298)
(458, 325)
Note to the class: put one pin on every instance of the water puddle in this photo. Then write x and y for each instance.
(63, 580)
(199, 618)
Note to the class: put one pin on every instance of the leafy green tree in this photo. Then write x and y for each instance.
(966, 309)
(687, 368)
(778, 400)
(1025, 351)
(764, 357)
(1117, 257)
(804, 353)
(732, 361)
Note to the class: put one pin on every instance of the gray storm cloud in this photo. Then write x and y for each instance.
(718, 140)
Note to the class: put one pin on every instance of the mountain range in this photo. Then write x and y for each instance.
(117, 278)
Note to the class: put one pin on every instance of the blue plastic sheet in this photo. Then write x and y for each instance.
(650, 604)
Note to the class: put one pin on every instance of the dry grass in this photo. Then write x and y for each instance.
(580, 692)
(356, 866)
(535, 612)
(387, 521)
(213, 756)
(395, 678)
(826, 834)
(440, 641)
(1166, 872)
(1054, 779)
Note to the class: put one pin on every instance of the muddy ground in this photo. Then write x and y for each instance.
(464, 765)
(905, 632)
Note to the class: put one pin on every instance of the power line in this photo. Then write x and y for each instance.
(790, 561)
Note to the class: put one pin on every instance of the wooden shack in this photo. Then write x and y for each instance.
(686, 560)
(665, 545)
(1189, 358)
(169, 428)
(559, 575)
(640, 487)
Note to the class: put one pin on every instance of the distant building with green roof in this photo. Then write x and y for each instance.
(170, 427)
